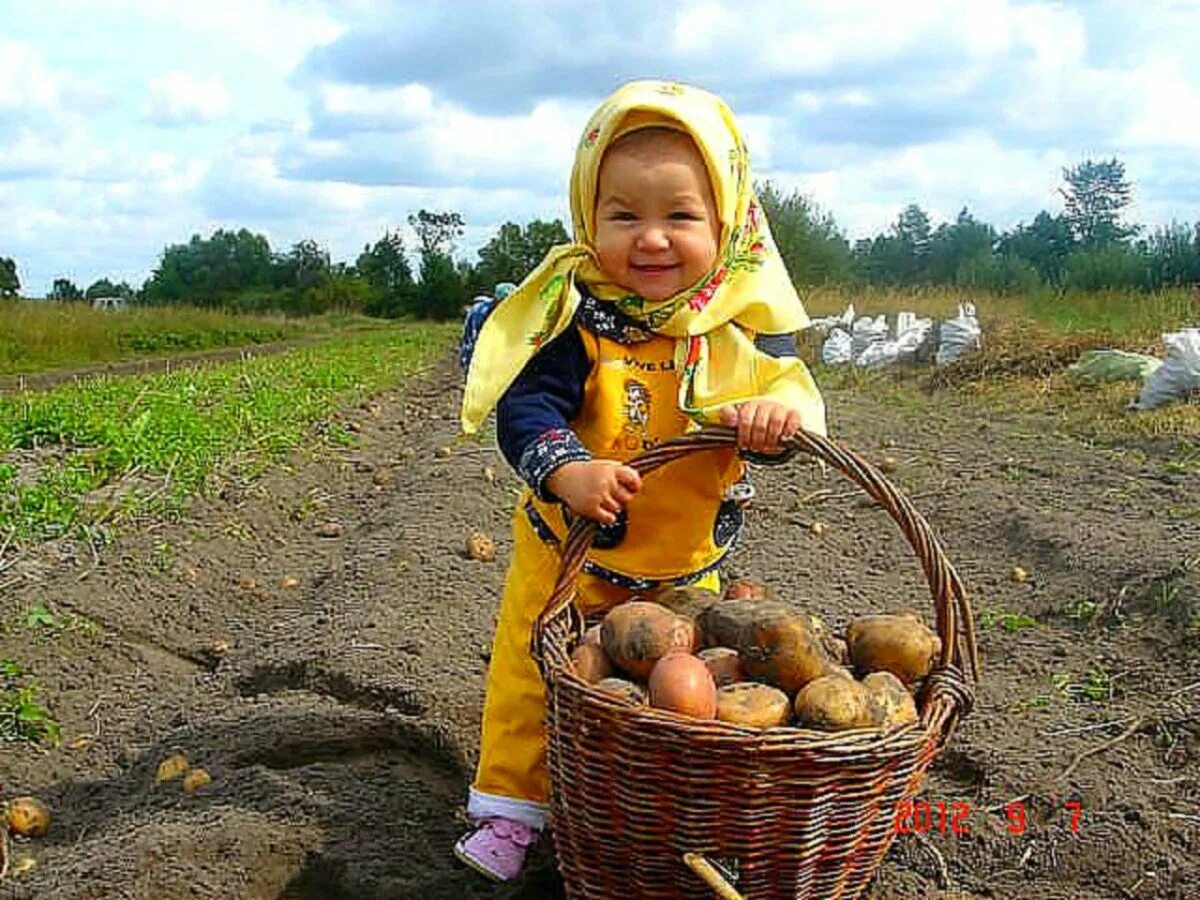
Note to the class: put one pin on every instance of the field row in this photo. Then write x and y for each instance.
(76, 458)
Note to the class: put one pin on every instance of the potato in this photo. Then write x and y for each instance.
(623, 690)
(688, 601)
(196, 779)
(27, 817)
(590, 663)
(776, 645)
(900, 644)
(753, 705)
(834, 647)
(638, 634)
(480, 546)
(888, 702)
(724, 664)
(682, 683)
(171, 768)
(747, 589)
(833, 703)
(724, 623)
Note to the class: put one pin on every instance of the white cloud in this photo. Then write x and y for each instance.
(334, 120)
(180, 98)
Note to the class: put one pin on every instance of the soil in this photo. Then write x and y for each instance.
(338, 715)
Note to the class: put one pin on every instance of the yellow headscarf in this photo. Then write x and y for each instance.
(747, 292)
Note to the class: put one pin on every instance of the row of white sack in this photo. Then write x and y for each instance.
(1171, 380)
(867, 341)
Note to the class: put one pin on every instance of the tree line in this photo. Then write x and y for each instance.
(1086, 246)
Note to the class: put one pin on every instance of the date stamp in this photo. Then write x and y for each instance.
(925, 816)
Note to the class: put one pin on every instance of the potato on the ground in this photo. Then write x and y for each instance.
(834, 703)
(27, 817)
(753, 705)
(776, 645)
(623, 689)
(900, 644)
(682, 683)
(480, 546)
(591, 663)
(638, 634)
(889, 702)
(724, 663)
(196, 780)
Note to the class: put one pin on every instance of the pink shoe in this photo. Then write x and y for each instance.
(497, 848)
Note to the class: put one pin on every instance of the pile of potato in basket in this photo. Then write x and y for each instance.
(751, 660)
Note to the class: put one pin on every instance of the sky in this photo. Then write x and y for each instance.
(129, 125)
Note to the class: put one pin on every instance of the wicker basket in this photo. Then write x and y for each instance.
(645, 803)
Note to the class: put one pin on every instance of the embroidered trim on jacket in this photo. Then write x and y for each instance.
(606, 321)
(547, 452)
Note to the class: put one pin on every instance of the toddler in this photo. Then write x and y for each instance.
(670, 310)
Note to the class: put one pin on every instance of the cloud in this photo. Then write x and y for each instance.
(179, 98)
(42, 116)
(334, 119)
(404, 136)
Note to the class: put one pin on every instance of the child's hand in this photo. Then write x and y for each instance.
(761, 424)
(598, 488)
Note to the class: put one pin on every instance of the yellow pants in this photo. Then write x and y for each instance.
(512, 780)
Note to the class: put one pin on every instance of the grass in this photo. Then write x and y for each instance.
(40, 336)
(163, 436)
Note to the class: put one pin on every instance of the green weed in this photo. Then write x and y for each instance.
(1082, 610)
(1096, 685)
(1012, 622)
(22, 716)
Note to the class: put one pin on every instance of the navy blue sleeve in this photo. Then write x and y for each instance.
(779, 346)
(533, 417)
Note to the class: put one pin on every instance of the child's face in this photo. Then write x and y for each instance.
(656, 221)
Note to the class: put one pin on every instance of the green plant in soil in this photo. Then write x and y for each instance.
(1012, 622)
(22, 716)
(163, 436)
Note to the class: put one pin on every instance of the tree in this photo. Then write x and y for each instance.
(385, 268)
(105, 288)
(1096, 194)
(305, 266)
(1045, 244)
(812, 248)
(10, 284)
(1173, 254)
(953, 245)
(1114, 265)
(211, 272)
(901, 257)
(64, 291)
(436, 231)
(441, 293)
(515, 251)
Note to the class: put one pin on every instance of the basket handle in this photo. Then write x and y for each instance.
(952, 611)
(708, 873)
